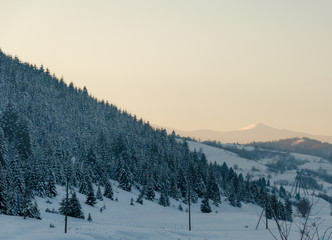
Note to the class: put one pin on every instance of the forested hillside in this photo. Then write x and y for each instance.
(299, 145)
(52, 133)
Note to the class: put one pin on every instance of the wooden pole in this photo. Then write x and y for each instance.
(66, 213)
(189, 207)
(266, 208)
(260, 218)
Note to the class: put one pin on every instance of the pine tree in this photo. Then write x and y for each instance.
(288, 210)
(108, 190)
(125, 180)
(3, 194)
(232, 199)
(180, 207)
(51, 188)
(3, 149)
(74, 207)
(31, 210)
(150, 194)
(89, 218)
(9, 122)
(267, 206)
(23, 142)
(205, 206)
(140, 198)
(282, 192)
(174, 191)
(273, 201)
(99, 196)
(164, 199)
(91, 199)
(41, 189)
(213, 189)
(182, 183)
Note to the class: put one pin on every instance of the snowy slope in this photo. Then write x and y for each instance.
(258, 168)
(147, 221)
(122, 221)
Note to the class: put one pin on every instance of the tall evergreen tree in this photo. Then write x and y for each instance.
(91, 199)
(125, 180)
(108, 190)
(149, 192)
(3, 194)
(3, 149)
(99, 196)
(74, 207)
(288, 210)
(205, 206)
(164, 199)
(9, 122)
(51, 188)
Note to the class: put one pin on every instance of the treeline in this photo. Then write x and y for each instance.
(299, 145)
(52, 134)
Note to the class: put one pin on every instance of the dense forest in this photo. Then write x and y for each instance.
(52, 133)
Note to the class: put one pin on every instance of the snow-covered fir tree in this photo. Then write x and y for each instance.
(74, 207)
(91, 198)
(99, 196)
(205, 205)
(108, 192)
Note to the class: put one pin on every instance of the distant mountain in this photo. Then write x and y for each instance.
(252, 133)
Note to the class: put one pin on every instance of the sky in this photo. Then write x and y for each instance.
(186, 64)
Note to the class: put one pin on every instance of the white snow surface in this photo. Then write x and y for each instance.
(151, 221)
(122, 221)
(257, 169)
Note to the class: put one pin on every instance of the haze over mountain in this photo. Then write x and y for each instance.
(254, 132)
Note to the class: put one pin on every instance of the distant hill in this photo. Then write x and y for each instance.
(253, 133)
(299, 145)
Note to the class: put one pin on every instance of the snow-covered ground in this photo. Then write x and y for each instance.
(122, 221)
(151, 221)
(258, 168)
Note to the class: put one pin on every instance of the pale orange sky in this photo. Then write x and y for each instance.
(187, 64)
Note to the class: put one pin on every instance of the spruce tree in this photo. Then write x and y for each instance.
(108, 190)
(282, 192)
(288, 210)
(91, 199)
(205, 206)
(31, 210)
(51, 188)
(3, 149)
(213, 188)
(3, 194)
(125, 180)
(140, 198)
(74, 207)
(150, 194)
(89, 218)
(182, 183)
(164, 199)
(99, 196)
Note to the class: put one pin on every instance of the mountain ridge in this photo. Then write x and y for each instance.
(257, 132)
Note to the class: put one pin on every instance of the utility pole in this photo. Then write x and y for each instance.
(66, 213)
(265, 207)
(189, 206)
